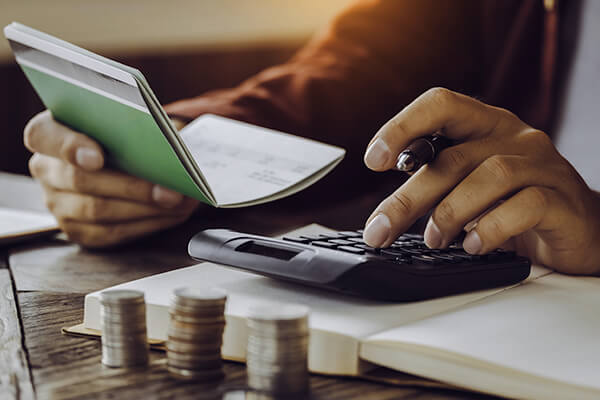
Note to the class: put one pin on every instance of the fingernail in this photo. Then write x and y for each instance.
(377, 154)
(377, 231)
(432, 235)
(472, 243)
(88, 158)
(165, 197)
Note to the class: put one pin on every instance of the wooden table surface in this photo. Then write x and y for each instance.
(43, 283)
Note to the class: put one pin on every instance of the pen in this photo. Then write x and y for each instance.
(421, 152)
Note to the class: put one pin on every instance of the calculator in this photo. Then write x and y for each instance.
(406, 271)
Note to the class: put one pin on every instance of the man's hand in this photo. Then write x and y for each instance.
(503, 174)
(95, 206)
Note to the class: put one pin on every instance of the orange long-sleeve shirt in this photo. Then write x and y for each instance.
(378, 55)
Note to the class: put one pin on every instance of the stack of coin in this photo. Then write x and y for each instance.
(277, 352)
(123, 322)
(195, 334)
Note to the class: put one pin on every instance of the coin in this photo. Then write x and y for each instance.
(277, 349)
(195, 333)
(123, 326)
(121, 297)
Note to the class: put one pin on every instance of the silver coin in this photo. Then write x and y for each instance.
(214, 330)
(200, 294)
(265, 368)
(119, 296)
(213, 363)
(198, 320)
(276, 331)
(200, 375)
(134, 320)
(125, 343)
(194, 347)
(122, 330)
(119, 359)
(279, 384)
(196, 311)
(278, 314)
(274, 341)
(192, 327)
(136, 310)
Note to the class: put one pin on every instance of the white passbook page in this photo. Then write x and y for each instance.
(523, 340)
(243, 162)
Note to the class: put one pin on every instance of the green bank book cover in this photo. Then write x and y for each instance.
(104, 102)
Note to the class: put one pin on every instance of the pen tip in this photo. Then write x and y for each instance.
(405, 163)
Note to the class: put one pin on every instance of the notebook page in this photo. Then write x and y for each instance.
(242, 162)
(544, 331)
(14, 223)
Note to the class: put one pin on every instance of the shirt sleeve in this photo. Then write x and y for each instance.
(372, 60)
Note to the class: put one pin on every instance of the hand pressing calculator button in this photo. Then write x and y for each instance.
(406, 271)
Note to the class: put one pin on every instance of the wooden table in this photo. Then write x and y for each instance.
(43, 283)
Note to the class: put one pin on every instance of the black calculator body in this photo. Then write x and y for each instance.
(406, 271)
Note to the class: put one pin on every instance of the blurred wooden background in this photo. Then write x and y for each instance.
(183, 47)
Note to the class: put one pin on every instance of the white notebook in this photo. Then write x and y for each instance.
(19, 224)
(537, 339)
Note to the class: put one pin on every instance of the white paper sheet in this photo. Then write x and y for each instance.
(242, 162)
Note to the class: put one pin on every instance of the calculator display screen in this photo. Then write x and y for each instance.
(268, 251)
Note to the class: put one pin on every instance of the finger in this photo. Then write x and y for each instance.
(103, 235)
(458, 116)
(94, 209)
(520, 213)
(59, 175)
(44, 135)
(422, 191)
(496, 178)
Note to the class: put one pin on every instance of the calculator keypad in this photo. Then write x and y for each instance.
(407, 249)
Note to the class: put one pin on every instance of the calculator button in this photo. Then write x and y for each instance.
(311, 238)
(351, 234)
(342, 242)
(393, 252)
(367, 248)
(357, 240)
(324, 244)
(327, 236)
(350, 249)
(296, 240)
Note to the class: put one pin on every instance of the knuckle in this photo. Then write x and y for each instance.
(454, 160)
(537, 198)
(400, 204)
(138, 189)
(67, 148)
(501, 169)
(537, 140)
(93, 209)
(398, 126)
(492, 229)
(444, 214)
(78, 179)
(36, 165)
(440, 96)
(50, 202)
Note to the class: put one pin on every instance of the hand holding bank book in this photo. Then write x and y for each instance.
(219, 161)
